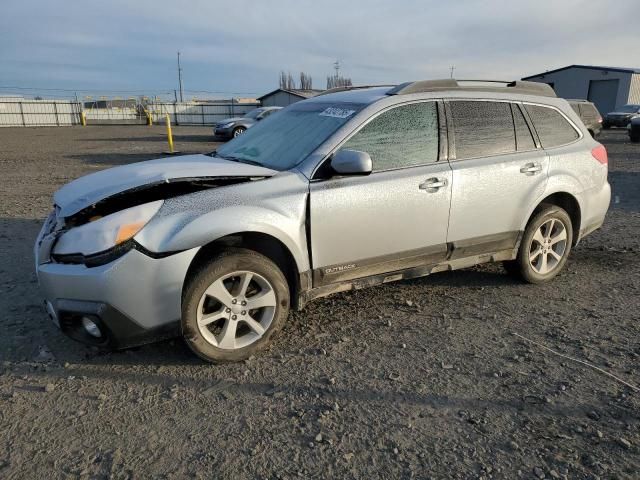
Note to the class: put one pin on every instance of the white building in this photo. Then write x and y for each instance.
(607, 87)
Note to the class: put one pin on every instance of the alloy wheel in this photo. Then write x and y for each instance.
(548, 246)
(236, 310)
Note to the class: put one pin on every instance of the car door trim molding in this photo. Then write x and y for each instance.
(459, 254)
(421, 257)
(382, 264)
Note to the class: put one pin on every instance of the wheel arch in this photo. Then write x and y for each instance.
(260, 242)
(566, 201)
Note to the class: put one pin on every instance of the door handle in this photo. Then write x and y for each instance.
(433, 184)
(531, 168)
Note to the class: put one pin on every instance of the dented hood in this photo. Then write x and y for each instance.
(90, 189)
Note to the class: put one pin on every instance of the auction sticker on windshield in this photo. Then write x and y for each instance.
(337, 112)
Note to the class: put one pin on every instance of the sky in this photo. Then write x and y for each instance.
(237, 48)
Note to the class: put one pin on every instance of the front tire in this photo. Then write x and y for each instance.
(238, 131)
(233, 304)
(545, 246)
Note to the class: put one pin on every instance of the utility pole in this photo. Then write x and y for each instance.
(180, 77)
(336, 67)
(452, 68)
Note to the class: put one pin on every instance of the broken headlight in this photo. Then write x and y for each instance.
(104, 233)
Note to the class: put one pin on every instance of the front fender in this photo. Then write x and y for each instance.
(275, 207)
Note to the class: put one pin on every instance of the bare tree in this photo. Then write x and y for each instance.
(306, 83)
(286, 81)
(334, 81)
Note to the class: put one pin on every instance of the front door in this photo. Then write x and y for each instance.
(393, 219)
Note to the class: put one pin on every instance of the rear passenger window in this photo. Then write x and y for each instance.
(401, 137)
(524, 139)
(588, 111)
(482, 128)
(553, 129)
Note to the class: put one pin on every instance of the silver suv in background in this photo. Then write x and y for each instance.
(342, 191)
(232, 127)
(589, 115)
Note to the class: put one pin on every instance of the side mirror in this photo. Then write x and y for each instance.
(351, 162)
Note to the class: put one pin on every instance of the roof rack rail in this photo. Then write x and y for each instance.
(517, 86)
(344, 89)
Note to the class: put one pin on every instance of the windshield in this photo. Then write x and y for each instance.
(253, 113)
(288, 138)
(630, 108)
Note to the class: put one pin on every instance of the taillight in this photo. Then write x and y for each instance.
(600, 154)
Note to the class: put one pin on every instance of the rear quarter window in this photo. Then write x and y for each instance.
(552, 127)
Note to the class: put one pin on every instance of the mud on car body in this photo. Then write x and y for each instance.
(345, 190)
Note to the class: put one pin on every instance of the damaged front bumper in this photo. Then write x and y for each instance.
(132, 300)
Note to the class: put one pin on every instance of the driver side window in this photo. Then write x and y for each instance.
(404, 136)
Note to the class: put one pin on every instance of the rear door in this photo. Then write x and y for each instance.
(499, 170)
(393, 219)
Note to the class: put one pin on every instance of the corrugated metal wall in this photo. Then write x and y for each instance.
(39, 113)
(198, 113)
(634, 89)
(575, 82)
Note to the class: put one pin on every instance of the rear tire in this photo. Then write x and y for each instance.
(545, 246)
(634, 138)
(233, 304)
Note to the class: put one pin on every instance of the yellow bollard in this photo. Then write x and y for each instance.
(169, 134)
(149, 118)
(83, 118)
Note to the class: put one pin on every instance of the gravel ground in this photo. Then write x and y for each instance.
(418, 379)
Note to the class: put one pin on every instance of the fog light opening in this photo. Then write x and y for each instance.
(91, 328)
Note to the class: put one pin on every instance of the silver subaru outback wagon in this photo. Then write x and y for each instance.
(348, 189)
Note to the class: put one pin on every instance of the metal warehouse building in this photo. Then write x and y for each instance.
(284, 98)
(607, 87)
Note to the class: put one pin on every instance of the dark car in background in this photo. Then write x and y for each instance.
(232, 127)
(634, 129)
(589, 115)
(622, 116)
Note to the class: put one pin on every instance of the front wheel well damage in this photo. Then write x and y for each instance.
(567, 202)
(262, 243)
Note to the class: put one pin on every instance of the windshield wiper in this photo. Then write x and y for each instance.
(240, 160)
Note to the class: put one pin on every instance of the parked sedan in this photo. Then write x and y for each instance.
(621, 117)
(232, 127)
